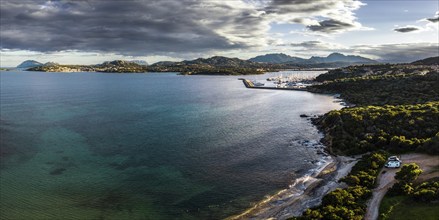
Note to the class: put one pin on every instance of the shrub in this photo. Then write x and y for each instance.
(408, 173)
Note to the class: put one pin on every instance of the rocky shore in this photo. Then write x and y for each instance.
(306, 192)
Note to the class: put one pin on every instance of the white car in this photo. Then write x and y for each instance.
(393, 164)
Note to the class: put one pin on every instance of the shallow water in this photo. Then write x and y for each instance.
(148, 146)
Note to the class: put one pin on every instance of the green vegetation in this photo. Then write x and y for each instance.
(117, 66)
(400, 128)
(405, 208)
(420, 198)
(211, 66)
(215, 66)
(397, 111)
(382, 84)
(209, 70)
(350, 203)
(408, 173)
(427, 191)
(405, 178)
(428, 61)
(424, 192)
(366, 170)
(398, 108)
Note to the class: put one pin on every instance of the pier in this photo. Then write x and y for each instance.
(249, 84)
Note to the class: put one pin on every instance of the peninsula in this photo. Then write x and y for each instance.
(394, 110)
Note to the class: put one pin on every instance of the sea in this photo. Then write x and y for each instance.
(150, 145)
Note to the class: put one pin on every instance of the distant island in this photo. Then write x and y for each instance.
(216, 65)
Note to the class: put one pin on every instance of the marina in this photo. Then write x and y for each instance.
(252, 85)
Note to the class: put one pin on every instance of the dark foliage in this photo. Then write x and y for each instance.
(400, 128)
(364, 87)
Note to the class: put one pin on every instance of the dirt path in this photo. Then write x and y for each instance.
(386, 180)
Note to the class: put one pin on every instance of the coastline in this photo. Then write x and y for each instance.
(308, 190)
(304, 193)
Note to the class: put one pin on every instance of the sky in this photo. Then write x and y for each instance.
(94, 31)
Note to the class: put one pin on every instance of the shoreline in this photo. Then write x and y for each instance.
(307, 191)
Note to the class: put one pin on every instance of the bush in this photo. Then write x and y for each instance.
(427, 191)
(365, 171)
(408, 173)
(401, 128)
(350, 203)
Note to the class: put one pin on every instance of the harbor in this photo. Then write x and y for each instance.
(256, 85)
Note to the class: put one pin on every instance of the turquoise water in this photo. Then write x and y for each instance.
(148, 146)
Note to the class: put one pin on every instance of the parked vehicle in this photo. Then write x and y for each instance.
(393, 164)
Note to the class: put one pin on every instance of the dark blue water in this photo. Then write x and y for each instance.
(147, 146)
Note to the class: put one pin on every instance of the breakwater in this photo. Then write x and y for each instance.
(249, 84)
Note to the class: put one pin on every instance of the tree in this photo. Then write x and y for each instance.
(408, 173)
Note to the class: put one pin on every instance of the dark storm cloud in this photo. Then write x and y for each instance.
(153, 27)
(326, 16)
(330, 26)
(127, 27)
(316, 45)
(307, 44)
(299, 6)
(406, 29)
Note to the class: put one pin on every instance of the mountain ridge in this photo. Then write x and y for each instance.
(275, 58)
(29, 64)
(280, 58)
(427, 61)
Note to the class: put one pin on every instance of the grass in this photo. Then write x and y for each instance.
(402, 207)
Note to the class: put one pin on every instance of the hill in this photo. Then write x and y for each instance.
(428, 61)
(220, 61)
(338, 57)
(332, 60)
(211, 66)
(29, 64)
(397, 108)
(216, 61)
(277, 58)
(140, 62)
(216, 65)
(116, 66)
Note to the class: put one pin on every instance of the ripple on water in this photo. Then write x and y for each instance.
(138, 146)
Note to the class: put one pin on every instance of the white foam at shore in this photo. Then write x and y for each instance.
(294, 200)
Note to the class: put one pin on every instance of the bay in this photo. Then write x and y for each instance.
(149, 146)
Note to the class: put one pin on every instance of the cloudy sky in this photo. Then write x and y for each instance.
(93, 31)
